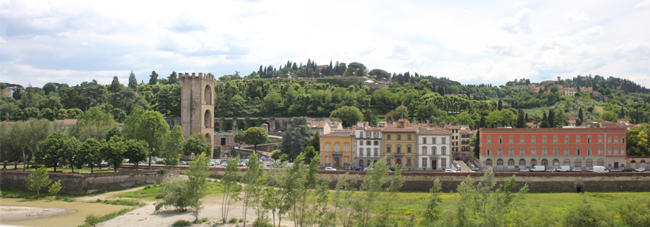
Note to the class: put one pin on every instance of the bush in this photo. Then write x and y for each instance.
(636, 212)
(182, 223)
(68, 199)
(122, 202)
(262, 222)
(162, 171)
(92, 219)
(173, 194)
(55, 188)
(233, 220)
(587, 213)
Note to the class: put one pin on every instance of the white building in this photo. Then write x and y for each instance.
(434, 149)
(368, 143)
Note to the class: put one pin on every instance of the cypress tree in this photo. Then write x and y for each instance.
(115, 85)
(133, 83)
(527, 117)
(580, 115)
(500, 105)
(520, 120)
(173, 78)
(551, 118)
(622, 114)
(154, 78)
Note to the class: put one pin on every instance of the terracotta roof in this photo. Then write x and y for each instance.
(434, 131)
(452, 127)
(338, 133)
(317, 124)
(394, 128)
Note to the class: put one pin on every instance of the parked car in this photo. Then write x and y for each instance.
(564, 169)
(330, 169)
(600, 169)
(550, 170)
(615, 170)
(538, 169)
(450, 171)
(576, 169)
(628, 169)
(590, 170)
(524, 169)
(182, 163)
(367, 169)
(392, 169)
(358, 169)
(641, 169)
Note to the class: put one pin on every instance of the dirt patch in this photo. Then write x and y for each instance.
(105, 195)
(63, 220)
(16, 213)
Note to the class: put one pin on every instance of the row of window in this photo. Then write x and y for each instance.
(398, 136)
(434, 140)
(369, 134)
(434, 151)
(443, 163)
(368, 152)
(399, 148)
(328, 161)
(368, 142)
(578, 151)
(577, 139)
(555, 162)
(337, 147)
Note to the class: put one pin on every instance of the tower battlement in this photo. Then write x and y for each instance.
(207, 77)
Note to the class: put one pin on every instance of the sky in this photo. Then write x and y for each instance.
(468, 41)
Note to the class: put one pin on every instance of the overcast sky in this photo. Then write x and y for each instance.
(468, 41)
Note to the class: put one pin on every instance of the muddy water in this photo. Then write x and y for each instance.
(73, 219)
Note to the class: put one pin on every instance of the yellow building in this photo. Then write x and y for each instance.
(399, 144)
(336, 149)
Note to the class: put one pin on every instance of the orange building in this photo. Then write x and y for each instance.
(336, 149)
(399, 144)
(552, 147)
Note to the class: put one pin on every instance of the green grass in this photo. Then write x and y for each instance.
(121, 202)
(92, 219)
(149, 192)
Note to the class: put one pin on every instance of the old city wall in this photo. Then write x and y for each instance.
(537, 182)
(86, 183)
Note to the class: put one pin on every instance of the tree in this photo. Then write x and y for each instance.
(239, 137)
(115, 85)
(173, 78)
(521, 122)
(370, 118)
(433, 211)
(349, 115)
(49, 88)
(90, 153)
(551, 118)
(54, 148)
(500, 106)
(196, 144)
(38, 179)
(133, 83)
(255, 136)
(154, 78)
(315, 142)
(197, 173)
(608, 116)
(297, 137)
(136, 151)
(587, 213)
(230, 186)
(580, 116)
(55, 188)
(401, 112)
(149, 126)
(94, 123)
(255, 181)
(114, 150)
(174, 194)
(555, 89)
(71, 155)
(622, 114)
(371, 186)
(173, 145)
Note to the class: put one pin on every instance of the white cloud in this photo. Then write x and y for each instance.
(522, 22)
(593, 31)
(642, 4)
(577, 16)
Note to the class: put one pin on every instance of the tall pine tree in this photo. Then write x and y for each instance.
(580, 116)
(500, 106)
(551, 118)
(521, 123)
(173, 78)
(154, 78)
(133, 83)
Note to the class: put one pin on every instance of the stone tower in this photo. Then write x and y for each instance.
(197, 105)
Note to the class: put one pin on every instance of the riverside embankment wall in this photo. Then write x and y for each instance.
(74, 183)
(537, 182)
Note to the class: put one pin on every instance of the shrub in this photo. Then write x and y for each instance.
(636, 212)
(182, 223)
(92, 219)
(233, 220)
(173, 194)
(68, 199)
(587, 213)
(55, 188)
(162, 171)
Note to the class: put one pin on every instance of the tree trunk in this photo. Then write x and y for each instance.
(115, 168)
(24, 162)
(149, 162)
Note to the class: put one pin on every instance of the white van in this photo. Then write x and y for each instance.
(564, 169)
(600, 169)
(538, 169)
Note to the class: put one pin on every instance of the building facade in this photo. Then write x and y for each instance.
(504, 148)
(368, 145)
(399, 144)
(336, 149)
(433, 149)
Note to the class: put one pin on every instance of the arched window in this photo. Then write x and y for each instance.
(533, 151)
(424, 150)
(578, 162)
(511, 151)
(544, 151)
(327, 146)
(544, 162)
(567, 162)
(556, 162)
(500, 150)
(589, 151)
(522, 151)
(488, 162)
(376, 152)
(600, 162)
(511, 162)
(360, 152)
(347, 147)
(433, 150)
(368, 151)
(488, 149)
(327, 160)
(207, 137)
(578, 151)
(633, 161)
(444, 150)
(522, 162)
(499, 162)
(590, 163)
(337, 147)
(361, 163)
(208, 95)
(207, 119)
(533, 162)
